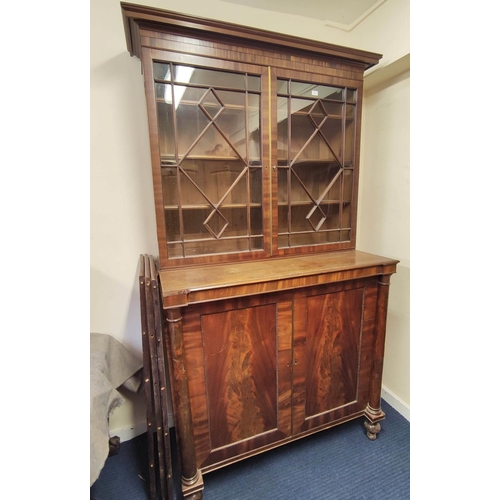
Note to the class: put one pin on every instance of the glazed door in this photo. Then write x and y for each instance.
(238, 356)
(333, 341)
(316, 156)
(208, 120)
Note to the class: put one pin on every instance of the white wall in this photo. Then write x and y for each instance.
(384, 213)
(122, 209)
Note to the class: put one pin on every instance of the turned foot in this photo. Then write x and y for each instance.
(372, 430)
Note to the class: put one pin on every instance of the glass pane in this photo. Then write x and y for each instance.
(231, 185)
(232, 122)
(191, 121)
(208, 77)
(163, 92)
(345, 235)
(256, 185)
(346, 215)
(283, 200)
(208, 247)
(316, 91)
(347, 194)
(349, 143)
(303, 187)
(256, 221)
(254, 144)
(333, 194)
(236, 218)
(332, 214)
(256, 243)
(282, 86)
(188, 95)
(161, 71)
(314, 238)
(191, 177)
(350, 111)
(302, 130)
(282, 218)
(169, 187)
(254, 83)
(282, 128)
(332, 131)
(283, 241)
(165, 124)
(302, 106)
(193, 223)
(232, 100)
(172, 223)
(351, 95)
(212, 145)
(333, 108)
(282, 185)
(174, 250)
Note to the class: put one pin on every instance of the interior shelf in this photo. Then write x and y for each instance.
(171, 162)
(209, 207)
(309, 203)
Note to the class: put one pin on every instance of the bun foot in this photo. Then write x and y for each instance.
(372, 430)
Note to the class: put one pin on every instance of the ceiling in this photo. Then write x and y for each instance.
(343, 14)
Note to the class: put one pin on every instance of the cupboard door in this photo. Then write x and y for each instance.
(316, 158)
(238, 365)
(207, 126)
(333, 340)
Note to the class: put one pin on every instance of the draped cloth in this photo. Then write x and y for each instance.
(112, 366)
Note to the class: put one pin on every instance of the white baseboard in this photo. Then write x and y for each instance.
(399, 405)
(128, 433)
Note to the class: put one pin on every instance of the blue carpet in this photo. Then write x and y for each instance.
(337, 464)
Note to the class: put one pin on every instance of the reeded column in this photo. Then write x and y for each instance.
(192, 481)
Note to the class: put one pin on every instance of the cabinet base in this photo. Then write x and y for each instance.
(192, 489)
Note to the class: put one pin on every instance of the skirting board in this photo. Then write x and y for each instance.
(128, 433)
(399, 405)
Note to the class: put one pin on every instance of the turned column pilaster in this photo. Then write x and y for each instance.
(373, 410)
(192, 481)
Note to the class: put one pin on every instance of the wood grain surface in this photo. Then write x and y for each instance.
(208, 283)
(238, 362)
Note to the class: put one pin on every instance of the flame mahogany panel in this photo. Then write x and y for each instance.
(238, 357)
(240, 364)
(333, 340)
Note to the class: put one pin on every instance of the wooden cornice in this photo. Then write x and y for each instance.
(137, 16)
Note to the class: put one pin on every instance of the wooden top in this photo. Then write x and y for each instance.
(139, 15)
(190, 285)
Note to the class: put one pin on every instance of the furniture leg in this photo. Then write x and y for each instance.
(372, 430)
(373, 410)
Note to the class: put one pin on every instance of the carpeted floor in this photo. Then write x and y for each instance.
(338, 464)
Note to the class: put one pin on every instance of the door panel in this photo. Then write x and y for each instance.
(333, 340)
(333, 337)
(238, 361)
